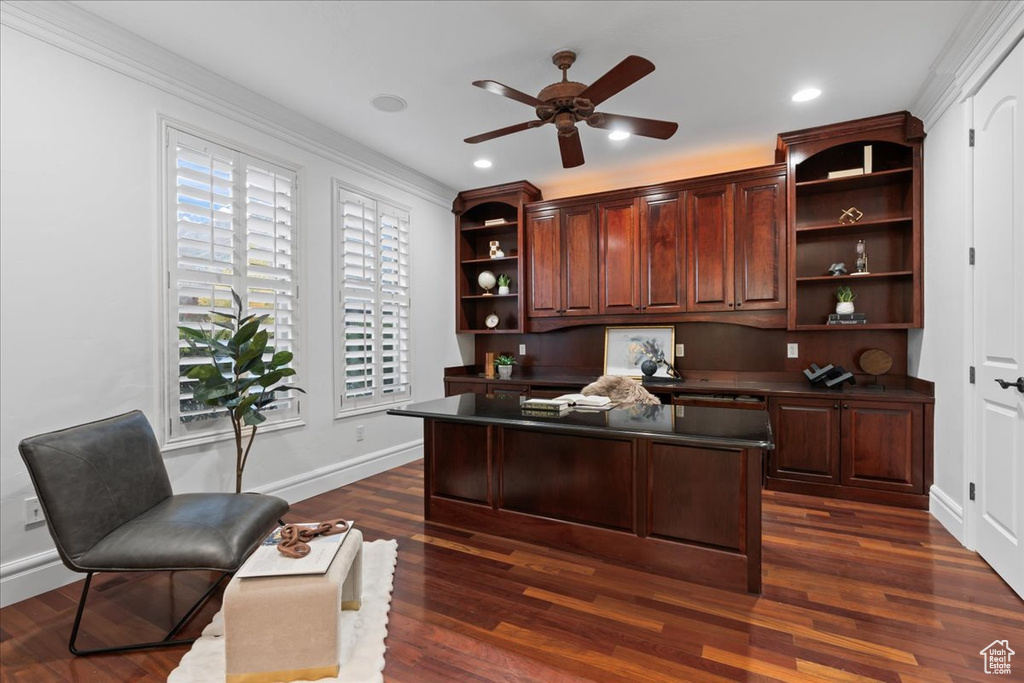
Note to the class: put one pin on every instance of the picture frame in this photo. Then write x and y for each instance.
(626, 348)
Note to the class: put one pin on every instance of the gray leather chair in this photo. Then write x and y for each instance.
(109, 507)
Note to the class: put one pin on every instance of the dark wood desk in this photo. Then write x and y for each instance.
(670, 489)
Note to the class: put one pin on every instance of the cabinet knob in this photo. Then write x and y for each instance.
(738, 304)
(845, 406)
(835, 406)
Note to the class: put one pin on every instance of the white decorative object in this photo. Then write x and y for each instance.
(492, 321)
(844, 307)
(503, 289)
(486, 280)
(496, 249)
(504, 371)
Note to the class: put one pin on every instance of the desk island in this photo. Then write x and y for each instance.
(674, 490)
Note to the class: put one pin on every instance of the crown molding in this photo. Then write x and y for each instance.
(988, 31)
(85, 35)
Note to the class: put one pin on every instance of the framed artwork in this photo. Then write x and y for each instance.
(626, 348)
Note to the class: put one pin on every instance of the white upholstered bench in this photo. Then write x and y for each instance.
(285, 628)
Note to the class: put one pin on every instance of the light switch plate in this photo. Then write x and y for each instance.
(522, 349)
(679, 350)
(792, 350)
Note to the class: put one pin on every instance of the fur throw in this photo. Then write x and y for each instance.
(621, 390)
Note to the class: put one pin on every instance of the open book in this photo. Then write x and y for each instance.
(267, 561)
(570, 400)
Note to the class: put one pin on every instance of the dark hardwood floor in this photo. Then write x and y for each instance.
(852, 592)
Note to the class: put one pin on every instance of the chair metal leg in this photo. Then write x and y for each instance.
(167, 640)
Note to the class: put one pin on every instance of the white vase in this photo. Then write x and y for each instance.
(504, 371)
(844, 307)
(502, 289)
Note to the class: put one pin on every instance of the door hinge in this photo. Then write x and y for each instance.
(970, 492)
(970, 256)
(970, 138)
(971, 373)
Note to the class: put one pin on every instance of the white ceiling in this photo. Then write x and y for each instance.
(725, 73)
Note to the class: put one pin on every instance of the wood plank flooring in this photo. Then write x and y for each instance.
(852, 592)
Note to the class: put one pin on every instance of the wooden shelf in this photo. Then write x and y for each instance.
(854, 328)
(489, 228)
(488, 331)
(490, 296)
(866, 276)
(880, 224)
(475, 261)
(853, 181)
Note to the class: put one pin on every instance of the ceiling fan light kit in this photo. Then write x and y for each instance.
(566, 103)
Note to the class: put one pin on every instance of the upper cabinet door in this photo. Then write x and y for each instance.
(663, 254)
(709, 233)
(580, 254)
(620, 257)
(760, 234)
(544, 253)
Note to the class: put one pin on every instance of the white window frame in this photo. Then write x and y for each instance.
(379, 403)
(175, 434)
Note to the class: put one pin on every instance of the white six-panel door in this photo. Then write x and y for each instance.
(998, 509)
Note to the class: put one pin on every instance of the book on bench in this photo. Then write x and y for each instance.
(569, 401)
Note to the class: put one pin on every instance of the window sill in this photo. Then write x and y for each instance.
(184, 442)
(380, 408)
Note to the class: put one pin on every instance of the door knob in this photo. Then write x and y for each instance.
(1006, 385)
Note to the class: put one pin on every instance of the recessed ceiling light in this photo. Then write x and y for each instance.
(618, 135)
(806, 95)
(389, 103)
(482, 163)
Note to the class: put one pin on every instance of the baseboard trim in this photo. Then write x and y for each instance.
(947, 511)
(26, 577)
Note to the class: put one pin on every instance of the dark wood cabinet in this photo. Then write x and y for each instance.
(485, 216)
(851, 182)
(563, 271)
(619, 262)
(760, 244)
(663, 253)
(882, 445)
(857, 449)
(709, 233)
(806, 440)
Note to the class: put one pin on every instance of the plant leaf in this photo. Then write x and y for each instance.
(271, 378)
(245, 332)
(203, 372)
(238, 299)
(253, 417)
(209, 393)
(281, 358)
(192, 334)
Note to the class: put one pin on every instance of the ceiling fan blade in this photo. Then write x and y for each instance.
(624, 74)
(650, 128)
(571, 149)
(508, 130)
(511, 93)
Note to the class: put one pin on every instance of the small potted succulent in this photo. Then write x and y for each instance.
(503, 282)
(845, 298)
(504, 363)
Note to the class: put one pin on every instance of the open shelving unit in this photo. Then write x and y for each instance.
(474, 209)
(889, 196)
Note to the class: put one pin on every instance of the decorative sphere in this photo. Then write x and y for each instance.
(649, 367)
(487, 280)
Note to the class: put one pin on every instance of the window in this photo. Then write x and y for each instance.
(231, 225)
(372, 316)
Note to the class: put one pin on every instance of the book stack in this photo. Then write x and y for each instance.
(495, 221)
(847, 319)
(562, 404)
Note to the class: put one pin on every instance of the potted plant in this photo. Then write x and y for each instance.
(845, 298)
(239, 376)
(504, 364)
(503, 282)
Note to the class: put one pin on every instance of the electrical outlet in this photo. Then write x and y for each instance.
(522, 349)
(680, 351)
(360, 432)
(792, 350)
(33, 511)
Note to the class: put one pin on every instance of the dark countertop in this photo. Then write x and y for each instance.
(752, 386)
(689, 425)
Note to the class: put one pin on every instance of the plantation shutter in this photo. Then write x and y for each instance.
(234, 229)
(372, 250)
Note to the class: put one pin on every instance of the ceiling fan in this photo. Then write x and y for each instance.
(567, 102)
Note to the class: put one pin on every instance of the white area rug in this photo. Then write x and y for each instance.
(362, 632)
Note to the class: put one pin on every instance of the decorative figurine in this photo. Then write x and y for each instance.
(862, 258)
(496, 251)
(837, 269)
(851, 215)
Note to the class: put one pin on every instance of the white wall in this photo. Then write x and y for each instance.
(81, 280)
(938, 352)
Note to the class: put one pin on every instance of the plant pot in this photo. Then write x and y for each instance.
(844, 307)
(502, 289)
(504, 371)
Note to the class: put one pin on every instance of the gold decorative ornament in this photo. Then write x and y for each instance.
(851, 215)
